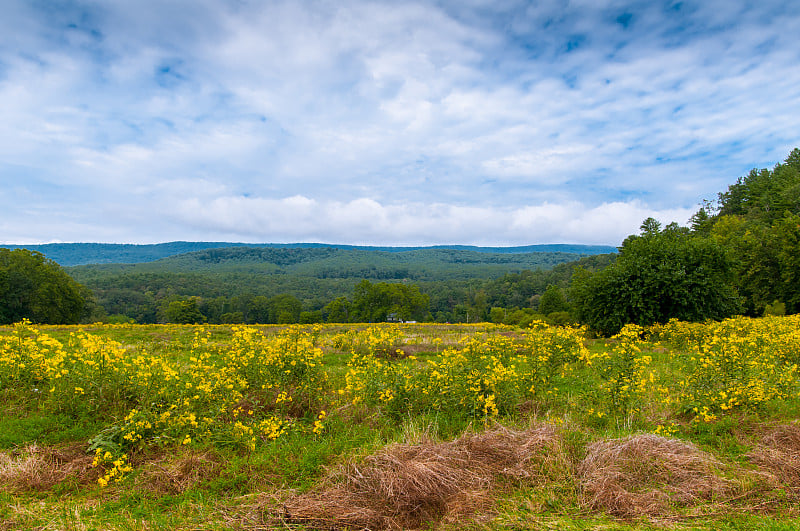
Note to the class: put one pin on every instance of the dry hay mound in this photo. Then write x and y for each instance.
(778, 452)
(37, 468)
(644, 475)
(406, 486)
(171, 475)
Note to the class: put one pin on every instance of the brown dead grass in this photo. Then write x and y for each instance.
(646, 475)
(778, 453)
(406, 486)
(38, 468)
(174, 475)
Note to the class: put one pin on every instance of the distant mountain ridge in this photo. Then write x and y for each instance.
(74, 254)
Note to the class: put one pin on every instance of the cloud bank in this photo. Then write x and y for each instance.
(382, 122)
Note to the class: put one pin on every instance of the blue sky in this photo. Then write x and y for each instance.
(369, 122)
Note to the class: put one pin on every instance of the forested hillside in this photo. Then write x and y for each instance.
(71, 254)
(237, 283)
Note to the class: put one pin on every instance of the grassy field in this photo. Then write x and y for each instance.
(677, 426)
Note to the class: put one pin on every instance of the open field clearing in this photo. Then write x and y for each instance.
(400, 426)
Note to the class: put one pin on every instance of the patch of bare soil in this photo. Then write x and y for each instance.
(646, 475)
(406, 486)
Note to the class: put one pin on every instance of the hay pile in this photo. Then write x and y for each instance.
(408, 486)
(36, 468)
(171, 475)
(644, 475)
(778, 452)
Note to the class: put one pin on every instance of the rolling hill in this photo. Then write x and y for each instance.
(72, 254)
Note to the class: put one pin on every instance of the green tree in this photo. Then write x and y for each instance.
(36, 288)
(765, 258)
(497, 315)
(284, 309)
(309, 317)
(258, 310)
(650, 226)
(657, 276)
(232, 318)
(553, 300)
(338, 310)
(765, 195)
(375, 302)
(185, 311)
(787, 244)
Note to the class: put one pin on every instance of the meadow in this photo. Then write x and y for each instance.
(400, 426)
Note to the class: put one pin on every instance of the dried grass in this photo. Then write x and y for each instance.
(37, 468)
(171, 475)
(645, 475)
(778, 452)
(407, 486)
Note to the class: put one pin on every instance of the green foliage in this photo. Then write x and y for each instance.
(377, 302)
(757, 219)
(497, 315)
(553, 300)
(281, 309)
(523, 289)
(185, 311)
(765, 195)
(658, 276)
(35, 288)
(338, 310)
(777, 308)
(559, 319)
(766, 259)
(229, 281)
(284, 309)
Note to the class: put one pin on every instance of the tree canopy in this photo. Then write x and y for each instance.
(658, 275)
(377, 302)
(757, 219)
(35, 288)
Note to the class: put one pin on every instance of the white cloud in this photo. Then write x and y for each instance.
(364, 220)
(418, 121)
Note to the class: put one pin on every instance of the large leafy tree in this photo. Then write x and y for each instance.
(338, 310)
(185, 311)
(659, 275)
(33, 287)
(553, 300)
(787, 237)
(284, 309)
(376, 302)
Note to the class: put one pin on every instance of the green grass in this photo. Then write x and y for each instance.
(239, 485)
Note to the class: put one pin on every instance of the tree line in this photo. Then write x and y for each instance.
(369, 303)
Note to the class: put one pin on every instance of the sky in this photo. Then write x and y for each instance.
(497, 122)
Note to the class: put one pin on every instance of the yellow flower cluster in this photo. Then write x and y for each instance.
(114, 468)
(738, 363)
(243, 386)
(624, 373)
(486, 375)
(319, 424)
(253, 387)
